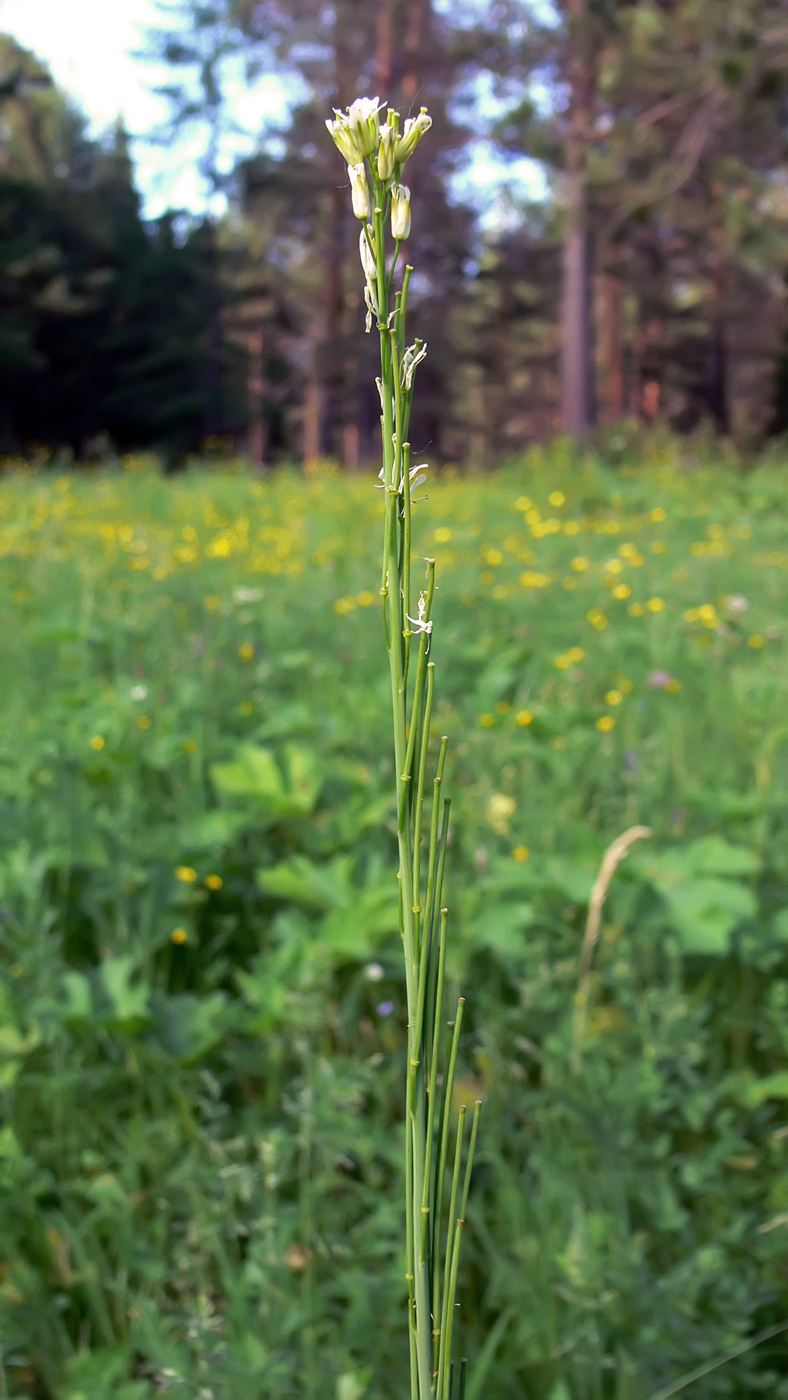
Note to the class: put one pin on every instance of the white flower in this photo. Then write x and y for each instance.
(419, 623)
(417, 476)
(400, 212)
(415, 127)
(367, 256)
(372, 308)
(374, 972)
(389, 136)
(343, 140)
(413, 356)
(737, 604)
(139, 692)
(359, 190)
(247, 595)
(363, 120)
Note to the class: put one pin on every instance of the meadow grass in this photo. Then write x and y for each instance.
(203, 1025)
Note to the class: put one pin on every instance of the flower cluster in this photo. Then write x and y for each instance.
(380, 151)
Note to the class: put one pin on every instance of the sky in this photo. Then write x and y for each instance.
(89, 46)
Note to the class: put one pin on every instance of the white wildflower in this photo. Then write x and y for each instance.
(420, 623)
(400, 212)
(389, 136)
(363, 120)
(415, 127)
(366, 248)
(340, 135)
(410, 360)
(139, 692)
(359, 190)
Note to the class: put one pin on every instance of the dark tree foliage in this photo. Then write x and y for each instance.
(647, 284)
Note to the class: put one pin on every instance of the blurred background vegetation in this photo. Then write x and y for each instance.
(644, 276)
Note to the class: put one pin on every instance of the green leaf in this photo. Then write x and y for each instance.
(501, 928)
(188, 1027)
(356, 918)
(711, 855)
(752, 1093)
(129, 1002)
(291, 790)
(213, 830)
(706, 912)
(101, 1375)
(254, 773)
(301, 881)
(356, 929)
(78, 1002)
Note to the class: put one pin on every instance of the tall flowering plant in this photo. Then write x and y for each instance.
(438, 1150)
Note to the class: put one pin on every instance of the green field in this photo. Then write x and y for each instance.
(202, 1039)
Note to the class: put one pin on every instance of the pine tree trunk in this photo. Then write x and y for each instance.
(577, 412)
(612, 344)
(718, 352)
(256, 433)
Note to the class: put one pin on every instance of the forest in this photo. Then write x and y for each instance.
(638, 275)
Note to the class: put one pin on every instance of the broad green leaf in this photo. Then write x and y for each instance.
(78, 1001)
(318, 887)
(255, 773)
(304, 779)
(501, 927)
(752, 1093)
(212, 830)
(356, 929)
(711, 855)
(188, 1026)
(291, 790)
(129, 1001)
(705, 913)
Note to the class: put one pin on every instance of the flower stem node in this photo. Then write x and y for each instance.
(400, 212)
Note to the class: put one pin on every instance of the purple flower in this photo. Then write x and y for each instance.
(384, 1008)
(659, 679)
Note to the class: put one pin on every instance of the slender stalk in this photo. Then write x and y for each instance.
(376, 157)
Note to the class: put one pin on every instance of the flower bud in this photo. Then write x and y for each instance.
(363, 119)
(400, 212)
(415, 127)
(388, 144)
(342, 139)
(367, 257)
(359, 190)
